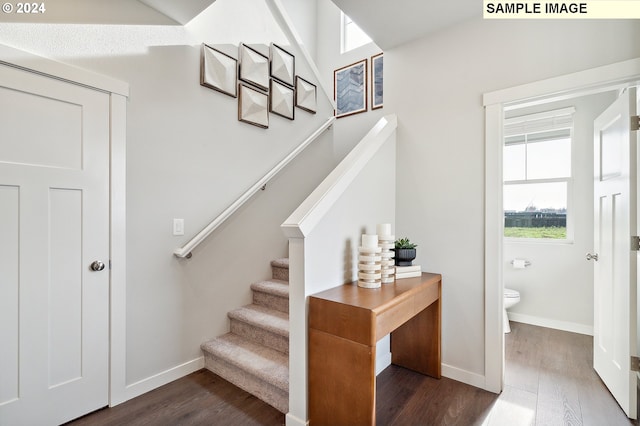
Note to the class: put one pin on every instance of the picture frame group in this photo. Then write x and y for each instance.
(351, 86)
(263, 84)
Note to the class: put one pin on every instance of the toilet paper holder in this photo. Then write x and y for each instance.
(526, 263)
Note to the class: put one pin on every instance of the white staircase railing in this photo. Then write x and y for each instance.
(185, 250)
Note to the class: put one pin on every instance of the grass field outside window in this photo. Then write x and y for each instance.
(550, 232)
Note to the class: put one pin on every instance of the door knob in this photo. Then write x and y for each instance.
(592, 256)
(96, 265)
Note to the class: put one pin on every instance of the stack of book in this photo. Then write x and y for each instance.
(408, 271)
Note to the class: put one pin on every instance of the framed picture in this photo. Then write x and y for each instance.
(350, 89)
(253, 106)
(377, 62)
(306, 95)
(282, 65)
(218, 71)
(254, 67)
(281, 99)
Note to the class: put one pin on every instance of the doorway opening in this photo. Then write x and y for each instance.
(611, 78)
(548, 208)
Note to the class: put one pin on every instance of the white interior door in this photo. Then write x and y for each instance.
(54, 222)
(615, 268)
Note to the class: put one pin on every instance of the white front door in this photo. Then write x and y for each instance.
(614, 339)
(54, 223)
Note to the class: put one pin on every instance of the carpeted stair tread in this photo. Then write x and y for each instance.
(254, 355)
(267, 364)
(281, 263)
(265, 318)
(276, 287)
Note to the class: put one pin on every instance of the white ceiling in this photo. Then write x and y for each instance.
(388, 23)
(114, 12)
(394, 22)
(181, 11)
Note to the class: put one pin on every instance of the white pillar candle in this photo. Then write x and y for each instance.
(369, 241)
(384, 229)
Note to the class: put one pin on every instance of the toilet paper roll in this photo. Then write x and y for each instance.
(519, 263)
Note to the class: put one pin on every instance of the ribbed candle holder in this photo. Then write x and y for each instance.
(369, 266)
(387, 263)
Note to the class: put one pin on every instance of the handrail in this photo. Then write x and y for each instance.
(185, 250)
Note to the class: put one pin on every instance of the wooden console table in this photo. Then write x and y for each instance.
(344, 325)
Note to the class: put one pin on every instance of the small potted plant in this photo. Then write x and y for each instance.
(405, 252)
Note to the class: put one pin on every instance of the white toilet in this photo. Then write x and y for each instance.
(511, 297)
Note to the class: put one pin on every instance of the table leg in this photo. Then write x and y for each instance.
(416, 344)
(342, 382)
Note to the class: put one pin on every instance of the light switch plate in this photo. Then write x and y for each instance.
(178, 226)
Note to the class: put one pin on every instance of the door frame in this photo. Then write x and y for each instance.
(595, 80)
(118, 92)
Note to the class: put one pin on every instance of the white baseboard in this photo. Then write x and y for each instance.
(550, 323)
(291, 420)
(382, 362)
(463, 376)
(164, 377)
(383, 353)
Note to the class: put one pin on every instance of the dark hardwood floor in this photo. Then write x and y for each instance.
(549, 380)
(201, 398)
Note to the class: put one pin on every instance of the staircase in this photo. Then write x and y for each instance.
(254, 355)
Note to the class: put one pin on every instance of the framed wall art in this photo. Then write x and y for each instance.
(218, 71)
(282, 65)
(377, 62)
(281, 99)
(254, 67)
(306, 95)
(253, 106)
(350, 89)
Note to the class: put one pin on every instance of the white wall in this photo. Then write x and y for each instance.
(303, 14)
(435, 86)
(349, 130)
(557, 289)
(189, 157)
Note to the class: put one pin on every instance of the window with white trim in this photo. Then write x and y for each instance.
(351, 35)
(537, 175)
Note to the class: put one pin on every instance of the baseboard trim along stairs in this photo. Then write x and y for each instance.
(254, 355)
